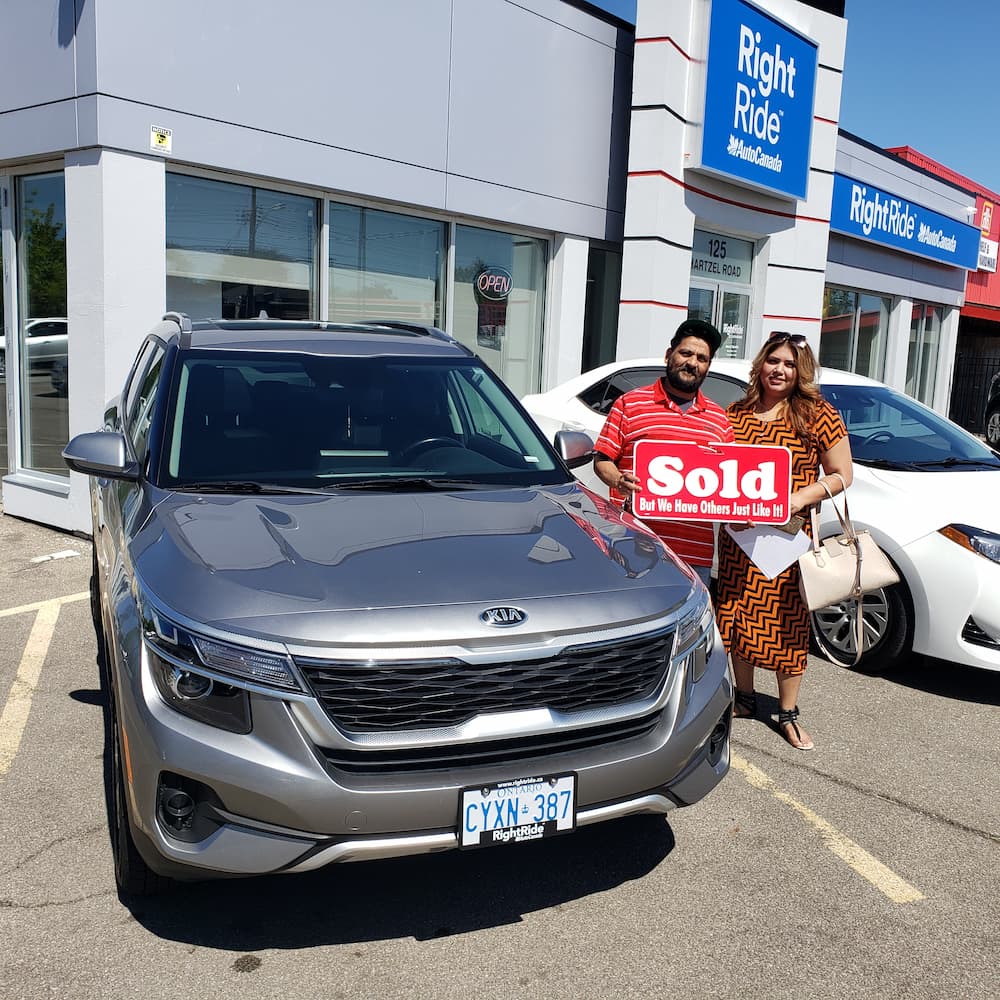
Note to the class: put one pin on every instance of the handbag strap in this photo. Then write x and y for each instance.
(847, 525)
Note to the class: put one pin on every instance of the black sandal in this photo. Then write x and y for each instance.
(746, 700)
(787, 717)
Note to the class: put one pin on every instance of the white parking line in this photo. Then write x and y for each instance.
(857, 858)
(15, 712)
(38, 605)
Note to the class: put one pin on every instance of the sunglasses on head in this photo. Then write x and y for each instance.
(780, 336)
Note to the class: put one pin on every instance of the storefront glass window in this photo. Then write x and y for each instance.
(384, 265)
(42, 370)
(499, 302)
(600, 312)
(855, 331)
(922, 356)
(233, 250)
(4, 462)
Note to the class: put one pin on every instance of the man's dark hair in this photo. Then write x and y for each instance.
(701, 329)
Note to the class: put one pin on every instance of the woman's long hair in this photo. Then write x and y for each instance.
(801, 405)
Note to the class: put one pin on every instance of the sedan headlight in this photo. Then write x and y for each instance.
(985, 543)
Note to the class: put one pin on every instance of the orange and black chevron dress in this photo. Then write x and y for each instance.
(765, 621)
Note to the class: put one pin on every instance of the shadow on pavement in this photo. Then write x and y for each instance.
(424, 897)
(89, 696)
(947, 680)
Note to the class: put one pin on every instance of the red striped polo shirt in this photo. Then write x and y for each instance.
(649, 414)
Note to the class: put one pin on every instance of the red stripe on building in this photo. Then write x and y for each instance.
(793, 319)
(651, 302)
(660, 40)
(725, 201)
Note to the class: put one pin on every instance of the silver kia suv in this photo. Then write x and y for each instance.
(351, 604)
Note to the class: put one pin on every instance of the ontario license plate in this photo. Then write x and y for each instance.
(514, 811)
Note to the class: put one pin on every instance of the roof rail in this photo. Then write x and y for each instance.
(181, 319)
(400, 324)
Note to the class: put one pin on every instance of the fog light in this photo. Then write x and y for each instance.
(188, 685)
(717, 741)
(176, 808)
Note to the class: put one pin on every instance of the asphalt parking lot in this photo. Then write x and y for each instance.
(869, 866)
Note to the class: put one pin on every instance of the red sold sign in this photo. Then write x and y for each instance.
(719, 482)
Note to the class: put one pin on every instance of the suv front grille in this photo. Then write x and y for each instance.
(396, 696)
(485, 754)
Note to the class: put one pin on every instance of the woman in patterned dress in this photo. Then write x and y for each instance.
(764, 623)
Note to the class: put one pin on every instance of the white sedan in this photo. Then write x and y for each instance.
(928, 491)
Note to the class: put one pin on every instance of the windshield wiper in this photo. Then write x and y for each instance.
(247, 486)
(952, 461)
(404, 483)
(885, 463)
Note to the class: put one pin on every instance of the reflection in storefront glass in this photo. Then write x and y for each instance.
(855, 331)
(837, 330)
(4, 461)
(42, 356)
(500, 301)
(600, 313)
(873, 333)
(922, 355)
(384, 265)
(234, 250)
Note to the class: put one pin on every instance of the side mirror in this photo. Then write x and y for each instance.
(575, 448)
(100, 453)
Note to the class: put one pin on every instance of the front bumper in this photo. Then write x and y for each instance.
(963, 587)
(280, 805)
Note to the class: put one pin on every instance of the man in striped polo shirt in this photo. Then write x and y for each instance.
(671, 409)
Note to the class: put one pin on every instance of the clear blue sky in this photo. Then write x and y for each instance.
(919, 73)
(925, 74)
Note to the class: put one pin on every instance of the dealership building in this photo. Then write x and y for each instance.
(553, 186)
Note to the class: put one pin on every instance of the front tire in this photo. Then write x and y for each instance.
(133, 876)
(887, 636)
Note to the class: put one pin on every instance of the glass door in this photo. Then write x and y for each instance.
(701, 303)
(727, 310)
(721, 270)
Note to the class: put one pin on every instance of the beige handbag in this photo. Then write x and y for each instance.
(843, 568)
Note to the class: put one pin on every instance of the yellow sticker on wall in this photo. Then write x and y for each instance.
(161, 140)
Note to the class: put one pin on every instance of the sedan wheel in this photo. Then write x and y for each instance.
(887, 635)
(993, 428)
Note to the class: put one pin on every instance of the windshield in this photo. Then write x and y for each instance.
(891, 430)
(272, 419)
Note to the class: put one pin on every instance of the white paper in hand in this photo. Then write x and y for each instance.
(770, 550)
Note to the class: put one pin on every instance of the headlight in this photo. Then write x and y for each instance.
(985, 543)
(186, 669)
(696, 637)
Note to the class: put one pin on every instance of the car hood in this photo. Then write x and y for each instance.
(902, 507)
(389, 568)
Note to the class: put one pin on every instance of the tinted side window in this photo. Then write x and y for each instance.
(140, 419)
(723, 390)
(134, 381)
(601, 396)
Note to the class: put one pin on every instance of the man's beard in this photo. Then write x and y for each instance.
(681, 380)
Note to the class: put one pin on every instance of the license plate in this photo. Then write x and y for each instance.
(512, 812)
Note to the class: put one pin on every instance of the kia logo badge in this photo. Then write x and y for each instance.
(503, 617)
